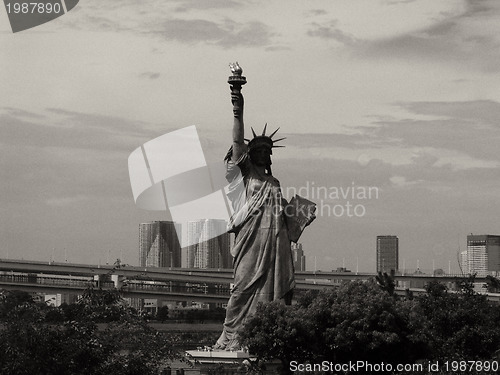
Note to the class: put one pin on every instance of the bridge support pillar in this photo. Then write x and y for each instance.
(99, 279)
(117, 280)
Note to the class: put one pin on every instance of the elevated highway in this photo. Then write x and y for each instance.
(182, 284)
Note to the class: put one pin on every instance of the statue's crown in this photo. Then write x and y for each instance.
(263, 140)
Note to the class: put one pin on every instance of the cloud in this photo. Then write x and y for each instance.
(401, 181)
(226, 34)
(59, 156)
(252, 34)
(316, 12)
(190, 31)
(143, 19)
(68, 129)
(66, 201)
(197, 24)
(458, 127)
(468, 39)
(187, 5)
(481, 111)
(150, 75)
(331, 31)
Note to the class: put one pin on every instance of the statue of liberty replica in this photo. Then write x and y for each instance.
(263, 222)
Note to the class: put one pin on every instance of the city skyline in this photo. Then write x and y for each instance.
(210, 249)
(299, 259)
(387, 254)
(390, 110)
(482, 256)
(159, 245)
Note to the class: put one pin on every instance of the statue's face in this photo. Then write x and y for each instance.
(261, 156)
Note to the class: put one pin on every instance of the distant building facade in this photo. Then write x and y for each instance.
(210, 249)
(299, 259)
(159, 245)
(464, 267)
(483, 255)
(387, 253)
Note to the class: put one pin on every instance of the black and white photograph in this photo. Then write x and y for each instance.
(222, 187)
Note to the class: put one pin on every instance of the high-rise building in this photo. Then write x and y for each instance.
(483, 254)
(462, 260)
(159, 245)
(210, 249)
(299, 259)
(387, 253)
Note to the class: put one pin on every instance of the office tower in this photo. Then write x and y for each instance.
(159, 245)
(387, 253)
(299, 259)
(483, 254)
(210, 249)
(462, 260)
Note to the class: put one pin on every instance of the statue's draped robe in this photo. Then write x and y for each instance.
(263, 264)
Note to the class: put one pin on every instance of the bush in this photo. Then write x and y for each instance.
(33, 341)
(365, 322)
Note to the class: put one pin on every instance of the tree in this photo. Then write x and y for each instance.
(278, 331)
(459, 326)
(386, 282)
(162, 314)
(10, 299)
(493, 284)
(362, 322)
(357, 321)
(32, 343)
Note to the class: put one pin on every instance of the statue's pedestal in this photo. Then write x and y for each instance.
(218, 356)
(212, 359)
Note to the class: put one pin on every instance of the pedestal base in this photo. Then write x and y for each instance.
(223, 360)
(218, 356)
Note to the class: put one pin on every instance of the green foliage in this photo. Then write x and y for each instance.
(493, 284)
(358, 321)
(9, 300)
(386, 282)
(162, 314)
(366, 322)
(459, 325)
(278, 331)
(102, 306)
(200, 315)
(36, 339)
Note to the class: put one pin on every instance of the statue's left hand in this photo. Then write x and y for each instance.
(238, 102)
(237, 99)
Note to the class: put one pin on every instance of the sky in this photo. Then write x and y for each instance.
(396, 98)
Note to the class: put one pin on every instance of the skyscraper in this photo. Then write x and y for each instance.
(483, 254)
(159, 245)
(387, 253)
(209, 250)
(464, 266)
(299, 259)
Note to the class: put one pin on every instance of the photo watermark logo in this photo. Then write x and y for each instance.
(26, 14)
(336, 201)
(170, 173)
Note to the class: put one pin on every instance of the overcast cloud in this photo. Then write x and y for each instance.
(398, 95)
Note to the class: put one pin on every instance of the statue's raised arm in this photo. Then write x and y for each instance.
(236, 81)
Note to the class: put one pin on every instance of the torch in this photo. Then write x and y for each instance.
(236, 80)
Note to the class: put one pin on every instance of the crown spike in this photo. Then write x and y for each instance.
(253, 131)
(277, 140)
(278, 146)
(264, 131)
(274, 132)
